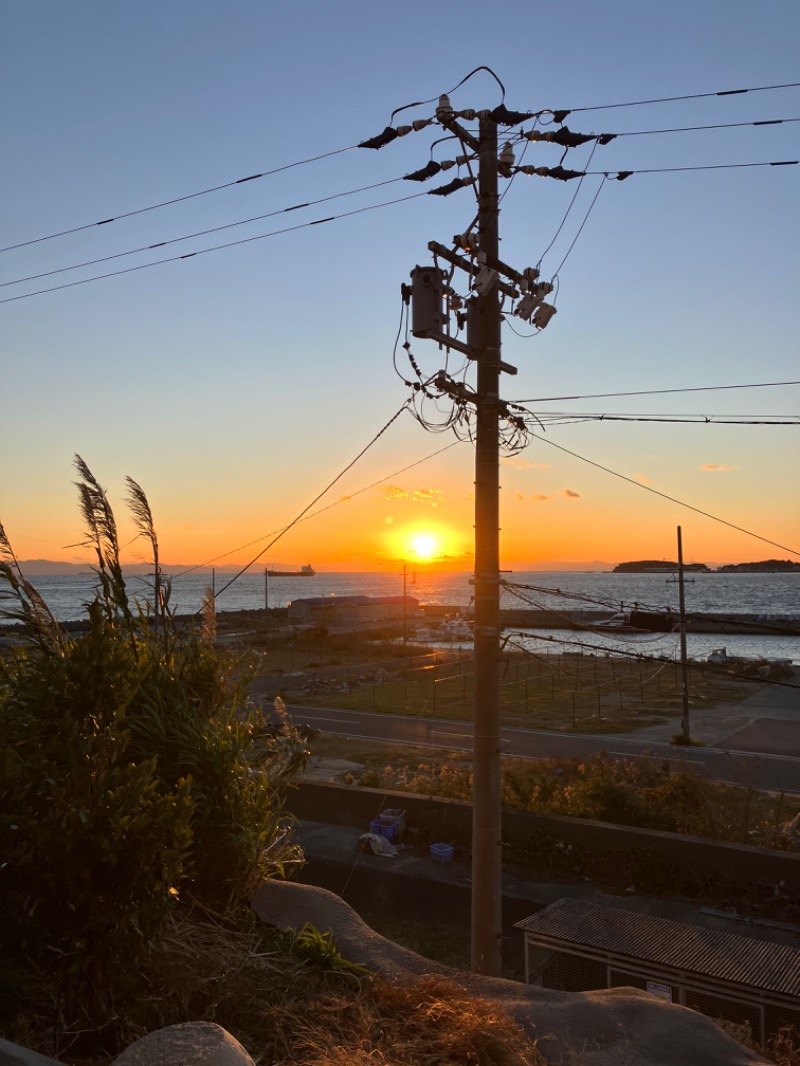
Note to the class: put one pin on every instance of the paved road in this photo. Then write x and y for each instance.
(763, 771)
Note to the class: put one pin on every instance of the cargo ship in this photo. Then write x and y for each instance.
(304, 571)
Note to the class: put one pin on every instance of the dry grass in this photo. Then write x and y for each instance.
(783, 1049)
(289, 1011)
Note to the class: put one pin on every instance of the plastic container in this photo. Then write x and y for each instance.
(391, 832)
(394, 816)
(441, 853)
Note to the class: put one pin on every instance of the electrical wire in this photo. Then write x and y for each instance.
(637, 605)
(562, 417)
(708, 668)
(580, 228)
(664, 495)
(658, 392)
(433, 99)
(202, 232)
(322, 510)
(569, 208)
(715, 126)
(177, 199)
(623, 174)
(318, 497)
(214, 248)
(688, 96)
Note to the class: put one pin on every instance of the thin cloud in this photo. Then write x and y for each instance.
(523, 464)
(429, 497)
(718, 468)
(432, 497)
(642, 479)
(542, 497)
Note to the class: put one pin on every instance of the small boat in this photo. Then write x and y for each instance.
(617, 623)
(304, 571)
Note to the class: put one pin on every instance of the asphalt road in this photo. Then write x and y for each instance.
(757, 770)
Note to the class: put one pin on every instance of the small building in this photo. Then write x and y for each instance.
(351, 610)
(577, 946)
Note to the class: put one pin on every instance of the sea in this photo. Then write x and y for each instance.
(772, 596)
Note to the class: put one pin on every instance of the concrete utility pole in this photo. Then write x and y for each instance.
(477, 255)
(487, 895)
(682, 629)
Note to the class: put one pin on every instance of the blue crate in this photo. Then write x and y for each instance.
(441, 853)
(391, 832)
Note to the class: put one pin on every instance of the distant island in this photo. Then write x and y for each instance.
(654, 566)
(767, 566)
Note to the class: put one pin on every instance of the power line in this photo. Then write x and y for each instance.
(695, 420)
(657, 392)
(627, 654)
(176, 200)
(663, 495)
(636, 605)
(202, 232)
(580, 228)
(319, 496)
(322, 510)
(623, 174)
(688, 96)
(560, 173)
(569, 208)
(214, 248)
(714, 126)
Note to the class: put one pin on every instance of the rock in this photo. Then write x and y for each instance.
(188, 1044)
(606, 1028)
(15, 1055)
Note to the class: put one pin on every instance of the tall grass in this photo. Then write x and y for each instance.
(134, 771)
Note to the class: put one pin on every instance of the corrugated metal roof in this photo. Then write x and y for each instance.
(693, 948)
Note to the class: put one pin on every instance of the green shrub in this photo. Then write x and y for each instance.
(132, 769)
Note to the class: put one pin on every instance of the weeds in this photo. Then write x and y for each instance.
(133, 771)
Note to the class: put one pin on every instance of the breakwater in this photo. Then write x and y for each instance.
(742, 624)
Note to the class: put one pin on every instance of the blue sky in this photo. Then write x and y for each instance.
(236, 385)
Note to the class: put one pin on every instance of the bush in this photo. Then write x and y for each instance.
(132, 769)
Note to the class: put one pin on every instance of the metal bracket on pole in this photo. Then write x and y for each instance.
(473, 268)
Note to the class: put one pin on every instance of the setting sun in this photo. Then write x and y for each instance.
(424, 545)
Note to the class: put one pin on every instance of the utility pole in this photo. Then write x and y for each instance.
(432, 301)
(684, 664)
(405, 603)
(487, 895)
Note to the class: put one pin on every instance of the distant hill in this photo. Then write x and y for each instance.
(31, 567)
(766, 566)
(650, 566)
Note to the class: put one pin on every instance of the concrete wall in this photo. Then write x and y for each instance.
(451, 820)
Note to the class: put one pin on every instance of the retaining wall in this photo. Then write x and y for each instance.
(451, 821)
